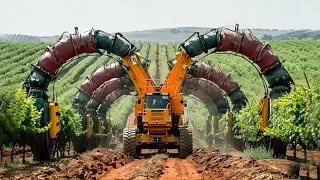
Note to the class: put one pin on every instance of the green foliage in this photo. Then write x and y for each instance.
(138, 44)
(222, 127)
(296, 117)
(164, 70)
(70, 124)
(120, 111)
(19, 114)
(171, 51)
(145, 50)
(66, 86)
(197, 114)
(247, 124)
(176, 45)
(153, 52)
(19, 118)
(13, 62)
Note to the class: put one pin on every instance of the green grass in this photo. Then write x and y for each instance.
(257, 153)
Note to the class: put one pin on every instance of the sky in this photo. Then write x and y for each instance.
(52, 17)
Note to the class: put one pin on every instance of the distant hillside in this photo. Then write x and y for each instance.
(19, 38)
(154, 35)
(182, 33)
(300, 34)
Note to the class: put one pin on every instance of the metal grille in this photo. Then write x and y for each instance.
(156, 118)
(156, 110)
(157, 114)
(157, 125)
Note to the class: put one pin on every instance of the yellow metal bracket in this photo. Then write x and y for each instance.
(54, 114)
(89, 125)
(264, 113)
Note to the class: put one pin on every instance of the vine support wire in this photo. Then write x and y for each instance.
(305, 76)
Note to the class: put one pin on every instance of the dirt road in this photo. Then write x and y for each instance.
(179, 169)
(204, 163)
(158, 167)
(121, 173)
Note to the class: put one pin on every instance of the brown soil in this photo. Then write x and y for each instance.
(284, 165)
(205, 163)
(313, 156)
(91, 165)
(179, 169)
(157, 167)
(139, 169)
(17, 150)
(212, 164)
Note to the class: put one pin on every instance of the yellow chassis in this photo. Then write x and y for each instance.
(145, 138)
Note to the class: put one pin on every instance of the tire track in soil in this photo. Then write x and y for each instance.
(179, 169)
(155, 168)
(119, 174)
(141, 169)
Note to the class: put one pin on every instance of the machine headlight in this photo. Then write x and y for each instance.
(168, 118)
(145, 119)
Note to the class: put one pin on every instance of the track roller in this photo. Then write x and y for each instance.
(185, 142)
(129, 142)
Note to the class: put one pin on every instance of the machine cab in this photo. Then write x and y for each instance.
(157, 101)
(156, 110)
